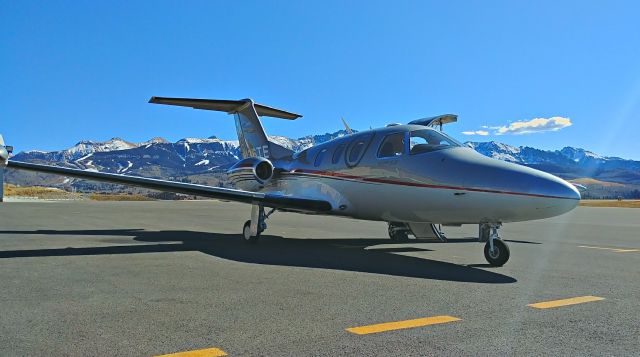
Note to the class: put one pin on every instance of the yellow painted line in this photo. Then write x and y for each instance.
(207, 352)
(565, 302)
(399, 325)
(617, 250)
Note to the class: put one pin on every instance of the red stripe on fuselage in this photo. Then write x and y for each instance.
(337, 175)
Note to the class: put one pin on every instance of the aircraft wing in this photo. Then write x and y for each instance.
(266, 199)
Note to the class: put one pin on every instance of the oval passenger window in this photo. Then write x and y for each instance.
(337, 154)
(357, 149)
(319, 157)
(354, 154)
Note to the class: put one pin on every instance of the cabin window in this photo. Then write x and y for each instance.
(392, 146)
(356, 149)
(319, 157)
(337, 153)
(427, 140)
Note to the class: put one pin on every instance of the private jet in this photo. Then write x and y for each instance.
(412, 176)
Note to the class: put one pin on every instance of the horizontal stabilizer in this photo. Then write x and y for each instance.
(229, 106)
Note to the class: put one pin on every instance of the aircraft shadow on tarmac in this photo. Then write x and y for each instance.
(337, 254)
(475, 239)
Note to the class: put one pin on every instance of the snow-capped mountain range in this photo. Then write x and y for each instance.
(156, 158)
(194, 156)
(568, 162)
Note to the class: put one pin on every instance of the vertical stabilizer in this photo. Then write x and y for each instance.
(251, 136)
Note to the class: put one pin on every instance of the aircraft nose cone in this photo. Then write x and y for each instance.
(511, 178)
(518, 193)
(553, 186)
(558, 196)
(570, 191)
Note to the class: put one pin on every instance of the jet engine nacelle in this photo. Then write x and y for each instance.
(4, 156)
(251, 174)
(5, 152)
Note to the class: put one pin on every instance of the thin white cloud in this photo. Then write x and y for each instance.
(477, 132)
(536, 125)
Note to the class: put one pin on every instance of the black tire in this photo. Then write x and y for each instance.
(398, 235)
(246, 233)
(499, 256)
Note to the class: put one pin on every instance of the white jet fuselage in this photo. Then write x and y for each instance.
(452, 184)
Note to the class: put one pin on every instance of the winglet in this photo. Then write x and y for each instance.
(436, 121)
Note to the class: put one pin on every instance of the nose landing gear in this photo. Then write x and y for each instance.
(496, 251)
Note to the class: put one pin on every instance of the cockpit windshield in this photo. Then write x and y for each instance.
(427, 140)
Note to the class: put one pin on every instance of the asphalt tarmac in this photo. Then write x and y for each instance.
(150, 278)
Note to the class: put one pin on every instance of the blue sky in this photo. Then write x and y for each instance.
(85, 70)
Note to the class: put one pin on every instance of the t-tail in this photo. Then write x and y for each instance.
(251, 135)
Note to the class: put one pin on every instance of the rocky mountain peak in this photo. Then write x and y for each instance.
(155, 140)
(577, 154)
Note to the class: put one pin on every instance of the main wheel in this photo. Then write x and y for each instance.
(398, 235)
(499, 255)
(246, 233)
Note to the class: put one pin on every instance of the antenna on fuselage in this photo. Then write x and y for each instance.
(346, 126)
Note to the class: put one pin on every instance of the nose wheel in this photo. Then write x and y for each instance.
(496, 251)
(498, 255)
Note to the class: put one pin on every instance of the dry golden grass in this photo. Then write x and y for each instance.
(118, 197)
(589, 181)
(611, 203)
(39, 192)
(55, 193)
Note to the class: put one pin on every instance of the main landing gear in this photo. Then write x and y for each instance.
(398, 232)
(496, 250)
(256, 225)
